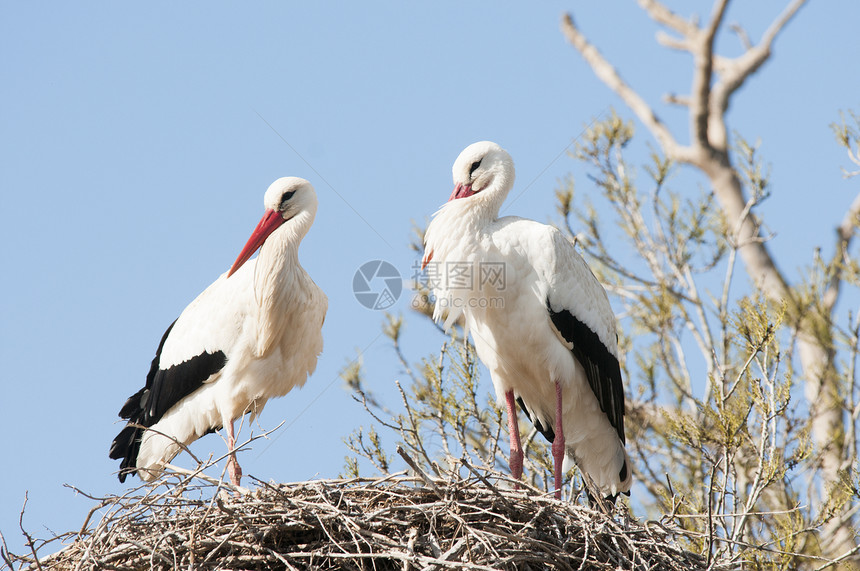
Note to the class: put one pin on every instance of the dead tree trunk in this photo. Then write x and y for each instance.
(715, 80)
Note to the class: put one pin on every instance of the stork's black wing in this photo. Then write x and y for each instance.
(601, 366)
(164, 388)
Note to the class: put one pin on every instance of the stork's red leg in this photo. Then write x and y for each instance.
(558, 442)
(516, 455)
(233, 468)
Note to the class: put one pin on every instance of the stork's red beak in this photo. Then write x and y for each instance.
(461, 191)
(270, 221)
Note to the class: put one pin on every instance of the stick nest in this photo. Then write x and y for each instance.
(393, 522)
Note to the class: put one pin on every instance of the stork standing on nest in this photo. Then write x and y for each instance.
(540, 321)
(254, 334)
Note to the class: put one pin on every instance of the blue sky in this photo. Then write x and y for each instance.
(137, 143)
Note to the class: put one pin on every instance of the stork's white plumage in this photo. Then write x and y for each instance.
(252, 335)
(540, 320)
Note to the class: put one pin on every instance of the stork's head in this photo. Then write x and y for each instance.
(287, 198)
(290, 195)
(484, 169)
(483, 176)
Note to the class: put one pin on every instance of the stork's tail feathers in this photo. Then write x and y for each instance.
(137, 435)
(144, 451)
(126, 446)
(625, 475)
(605, 476)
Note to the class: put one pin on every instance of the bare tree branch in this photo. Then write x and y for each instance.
(674, 99)
(663, 15)
(844, 234)
(604, 70)
(742, 36)
(673, 43)
(703, 56)
(735, 72)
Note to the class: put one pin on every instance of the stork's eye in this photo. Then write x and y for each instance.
(286, 197)
(475, 166)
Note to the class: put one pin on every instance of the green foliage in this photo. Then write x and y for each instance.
(713, 409)
(847, 132)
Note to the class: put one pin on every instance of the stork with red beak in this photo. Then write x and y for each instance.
(539, 319)
(254, 334)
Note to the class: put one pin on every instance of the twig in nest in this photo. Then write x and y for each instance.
(414, 465)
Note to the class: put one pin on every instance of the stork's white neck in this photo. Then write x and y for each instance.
(465, 219)
(276, 273)
(279, 253)
(469, 216)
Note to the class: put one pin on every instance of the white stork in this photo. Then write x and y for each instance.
(252, 335)
(540, 320)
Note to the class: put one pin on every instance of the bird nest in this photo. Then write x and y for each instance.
(393, 522)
